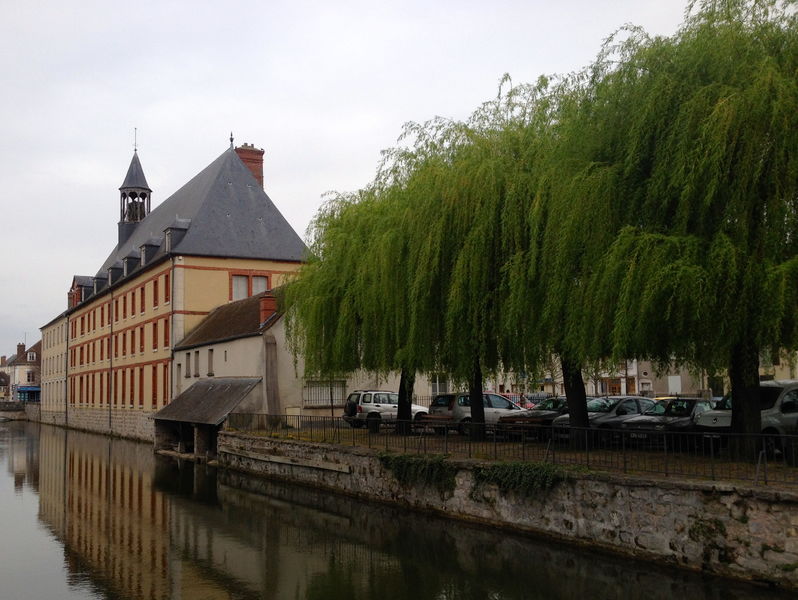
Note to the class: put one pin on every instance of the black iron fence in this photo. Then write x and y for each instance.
(762, 459)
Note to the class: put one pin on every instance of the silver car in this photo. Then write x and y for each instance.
(457, 408)
(364, 405)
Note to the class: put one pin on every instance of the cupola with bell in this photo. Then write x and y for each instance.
(134, 199)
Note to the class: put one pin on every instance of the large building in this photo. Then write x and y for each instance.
(217, 239)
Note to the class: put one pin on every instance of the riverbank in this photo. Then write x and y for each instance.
(729, 530)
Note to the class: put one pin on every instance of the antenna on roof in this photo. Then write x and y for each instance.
(135, 140)
(231, 139)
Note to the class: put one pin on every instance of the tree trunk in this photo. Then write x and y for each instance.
(407, 381)
(744, 377)
(575, 392)
(477, 428)
(746, 418)
(577, 401)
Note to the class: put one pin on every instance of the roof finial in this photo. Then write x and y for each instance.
(135, 139)
(231, 140)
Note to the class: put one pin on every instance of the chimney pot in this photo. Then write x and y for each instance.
(252, 157)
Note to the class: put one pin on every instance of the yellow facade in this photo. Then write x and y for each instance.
(53, 368)
(120, 342)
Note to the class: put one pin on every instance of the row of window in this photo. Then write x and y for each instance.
(128, 387)
(54, 335)
(53, 364)
(124, 343)
(131, 303)
(197, 364)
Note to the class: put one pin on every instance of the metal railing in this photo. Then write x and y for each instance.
(761, 459)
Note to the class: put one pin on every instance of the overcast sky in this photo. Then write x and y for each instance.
(321, 86)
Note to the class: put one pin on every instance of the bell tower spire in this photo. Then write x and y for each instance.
(134, 198)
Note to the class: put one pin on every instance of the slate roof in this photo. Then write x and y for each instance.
(135, 175)
(208, 401)
(230, 216)
(83, 280)
(22, 359)
(228, 322)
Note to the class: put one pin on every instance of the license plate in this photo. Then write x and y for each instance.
(639, 436)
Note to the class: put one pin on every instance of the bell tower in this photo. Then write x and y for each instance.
(134, 199)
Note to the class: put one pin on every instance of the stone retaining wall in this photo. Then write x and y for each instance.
(33, 411)
(743, 533)
(133, 424)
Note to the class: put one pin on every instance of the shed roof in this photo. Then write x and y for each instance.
(209, 401)
(228, 322)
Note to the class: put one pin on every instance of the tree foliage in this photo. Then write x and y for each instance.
(643, 207)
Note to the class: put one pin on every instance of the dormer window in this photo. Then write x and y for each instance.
(168, 244)
(31, 356)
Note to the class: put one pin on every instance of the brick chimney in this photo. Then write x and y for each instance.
(253, 158)
(268, 306)
(21, 351)
(2, 361)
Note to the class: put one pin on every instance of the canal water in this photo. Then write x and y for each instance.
(85, 516)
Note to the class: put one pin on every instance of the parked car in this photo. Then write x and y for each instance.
(536, 420)
(605, 413)
(533, 399)
(673, 414)
(778, 403)
(363, 405)
(456, 408)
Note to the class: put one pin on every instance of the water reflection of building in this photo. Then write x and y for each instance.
(22, 457)
(97, 497)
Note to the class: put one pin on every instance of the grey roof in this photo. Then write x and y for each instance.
(135, 175)
(230, 216)
(208, 401)
(84, 280)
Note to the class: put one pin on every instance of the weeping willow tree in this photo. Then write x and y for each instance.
(693, 157)
(409, 273)
(471, 193)
(346, 308)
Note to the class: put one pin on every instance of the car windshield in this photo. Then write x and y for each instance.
(673, 407)
(724, 403)
(768, 394)
(550, 404)
(602, 405)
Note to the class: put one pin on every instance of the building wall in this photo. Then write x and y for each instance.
(120, 361)
(207, 283)
(245, 357)
(119, 355)
(54, 371)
